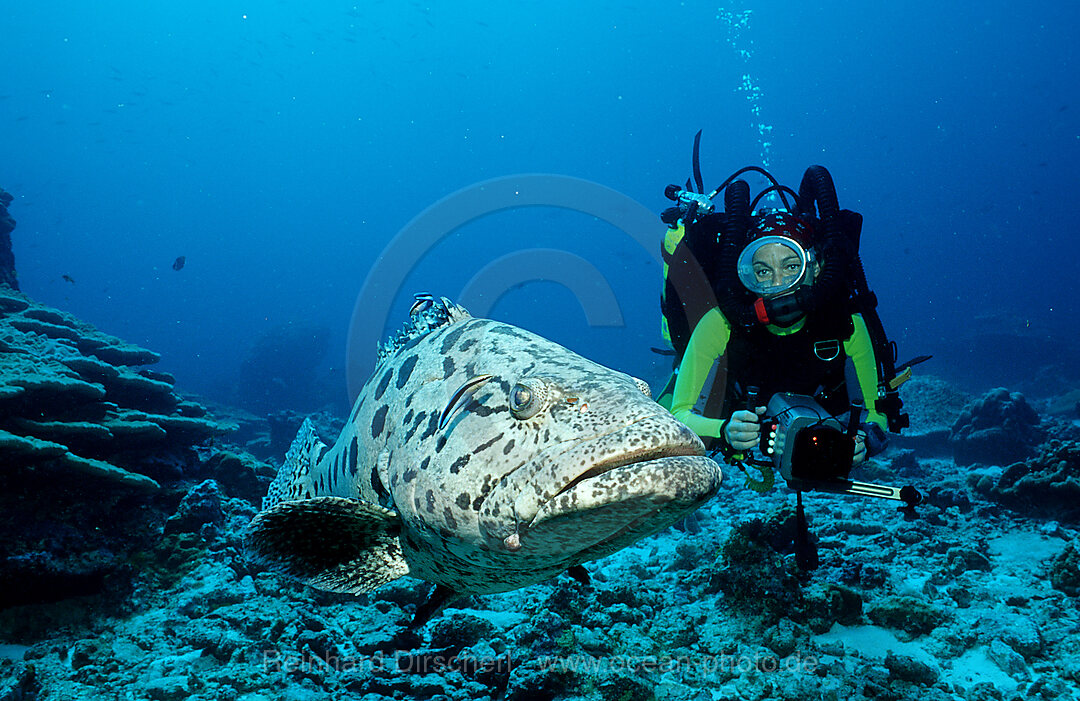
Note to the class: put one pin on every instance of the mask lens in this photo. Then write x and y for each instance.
(772, 265)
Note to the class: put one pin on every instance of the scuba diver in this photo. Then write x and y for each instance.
(785, 348)
(777, 342)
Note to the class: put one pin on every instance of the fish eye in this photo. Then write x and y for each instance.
(526, 400)
(520, 396)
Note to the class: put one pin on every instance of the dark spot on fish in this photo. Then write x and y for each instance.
(448, 516)
(408, 417)
(406, 370)
(408, 476)
(416, 424)
(477, 503)
(440, 444)
(508, 447)
(378, 422)
(424, 464)
(508, 331)
(429, 496)
(412, 342)
(384, 383)
(485, 446)
(452, 337)
(459, 463)
(469, 343)
(432, 427)
(462, 501)
(484, 409)
(447, 366)
(354, 456)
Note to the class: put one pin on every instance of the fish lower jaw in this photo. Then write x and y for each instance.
(658, 484)
(631, 458)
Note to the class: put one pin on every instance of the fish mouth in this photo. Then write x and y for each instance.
(637, 457)
(604, 511)
(642, 465)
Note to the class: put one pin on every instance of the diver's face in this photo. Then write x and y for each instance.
(776, 266)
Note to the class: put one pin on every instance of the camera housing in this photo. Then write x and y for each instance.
(805, 442)
(813, 452)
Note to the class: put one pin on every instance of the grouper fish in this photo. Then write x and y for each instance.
(482, 458)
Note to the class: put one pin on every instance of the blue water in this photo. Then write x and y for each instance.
(280, 146)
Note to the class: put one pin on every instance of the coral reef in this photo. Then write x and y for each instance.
(752, 574)
(1065, 570)
(77, 400)
(997, 429)
(1047, 485)
(909, 614)
(932, 405)
(7, 257)
(152, 597)
(89, 437)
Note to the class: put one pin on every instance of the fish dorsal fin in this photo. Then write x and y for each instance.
(293, 480)
(423, 320)
(332, 543)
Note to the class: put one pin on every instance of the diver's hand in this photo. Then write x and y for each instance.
(860, 448)
(743, 429)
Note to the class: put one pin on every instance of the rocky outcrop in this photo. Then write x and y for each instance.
(7, 257)
(1047, 485)
(94, 451)
(999, 428)
(80, 401)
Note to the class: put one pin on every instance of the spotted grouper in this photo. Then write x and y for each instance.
(482, 458)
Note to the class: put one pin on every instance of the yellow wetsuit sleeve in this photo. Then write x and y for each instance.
(707, 343)
(861, 351)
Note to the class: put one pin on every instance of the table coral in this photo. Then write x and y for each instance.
(74, 398)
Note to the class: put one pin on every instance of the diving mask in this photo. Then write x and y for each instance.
(774, 265)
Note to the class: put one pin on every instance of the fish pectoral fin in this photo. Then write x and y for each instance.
(332, 543)
(440, 596)
(579, 574)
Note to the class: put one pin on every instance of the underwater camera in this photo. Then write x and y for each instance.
(813, 452)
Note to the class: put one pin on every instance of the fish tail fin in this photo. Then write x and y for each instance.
(293, 480)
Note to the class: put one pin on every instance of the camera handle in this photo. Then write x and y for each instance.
(806, 556)
(752, 394)
(907, 494)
